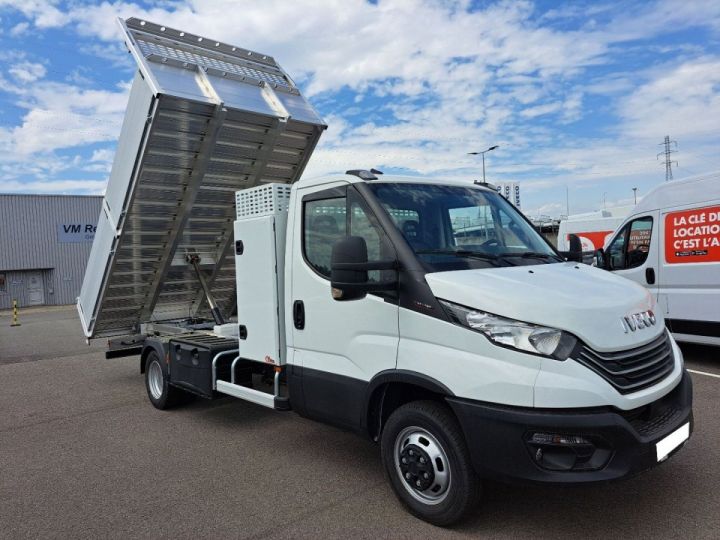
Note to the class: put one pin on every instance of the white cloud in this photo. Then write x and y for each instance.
(540, 110)
(90, 187)
(19, 29)
(103, 155)
(57, 116)
(27, 72)
(44, 13)
(65, 116)
(549, 209)
(683, 101)
(432, 81)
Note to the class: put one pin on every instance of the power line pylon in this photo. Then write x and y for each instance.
(668, 157)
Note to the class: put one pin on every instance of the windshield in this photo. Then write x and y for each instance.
(457, 227)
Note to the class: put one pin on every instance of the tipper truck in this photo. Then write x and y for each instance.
(358, 300)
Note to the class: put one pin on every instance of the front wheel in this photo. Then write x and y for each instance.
(428, 464)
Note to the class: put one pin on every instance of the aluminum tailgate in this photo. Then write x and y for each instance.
(204, 119)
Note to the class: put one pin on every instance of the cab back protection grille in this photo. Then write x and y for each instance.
(632, 369)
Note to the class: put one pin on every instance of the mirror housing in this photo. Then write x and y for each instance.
(600, 259)
(576, 253)
(350, 266)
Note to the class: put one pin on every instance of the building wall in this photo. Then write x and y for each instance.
(47, 237)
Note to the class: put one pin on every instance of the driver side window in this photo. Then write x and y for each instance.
(327, 221)
(631, 246)
(616, 251)
(324, 223)
(360, 225)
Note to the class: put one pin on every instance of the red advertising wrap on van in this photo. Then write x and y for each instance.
(591, 240)
(693, 236)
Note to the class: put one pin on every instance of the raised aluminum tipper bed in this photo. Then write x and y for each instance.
(204, 120)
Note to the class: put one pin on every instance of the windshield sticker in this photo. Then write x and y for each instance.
(693, 236)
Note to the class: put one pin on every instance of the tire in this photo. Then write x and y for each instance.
(439, 492)
(161, 394)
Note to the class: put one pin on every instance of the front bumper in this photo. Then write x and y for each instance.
(622, 443)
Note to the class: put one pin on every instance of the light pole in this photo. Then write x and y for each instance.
(567, 200)
(635, 194)
(483, 156)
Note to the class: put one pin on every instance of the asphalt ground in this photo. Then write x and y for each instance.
(83, 454)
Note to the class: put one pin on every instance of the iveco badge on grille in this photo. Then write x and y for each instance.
(638, 321)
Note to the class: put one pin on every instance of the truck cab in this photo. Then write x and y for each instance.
(554, 371)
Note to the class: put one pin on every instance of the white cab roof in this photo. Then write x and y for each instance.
(352, 179)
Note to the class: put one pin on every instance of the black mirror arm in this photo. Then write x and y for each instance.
(366, 287)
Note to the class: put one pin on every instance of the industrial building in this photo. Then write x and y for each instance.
(45, 243)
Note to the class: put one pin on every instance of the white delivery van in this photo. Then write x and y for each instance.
(593, 228)
(671, 244)
(358, 300)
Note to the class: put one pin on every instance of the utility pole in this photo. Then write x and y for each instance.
(635, 194)
(668, 157)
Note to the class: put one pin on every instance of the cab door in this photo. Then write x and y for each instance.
(634, 252)
(337, 346)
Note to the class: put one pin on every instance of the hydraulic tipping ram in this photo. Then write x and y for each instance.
(194, 260)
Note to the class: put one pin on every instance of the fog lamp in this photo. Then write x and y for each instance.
(554, 438)
(566, 452)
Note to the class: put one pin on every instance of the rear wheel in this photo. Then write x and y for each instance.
(162, 395)
(428, 464)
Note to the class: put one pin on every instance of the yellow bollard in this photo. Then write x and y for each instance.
(15, 314)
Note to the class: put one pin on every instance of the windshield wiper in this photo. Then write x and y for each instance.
(490, 257)
(532, 255)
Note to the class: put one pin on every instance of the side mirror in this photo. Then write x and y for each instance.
(576, 252)
(600, 260)
(348, 257)
(350, 266)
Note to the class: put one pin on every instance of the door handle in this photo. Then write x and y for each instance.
(299, 314)
(650, 276)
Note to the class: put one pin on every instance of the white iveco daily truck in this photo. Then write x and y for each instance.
(361, 300)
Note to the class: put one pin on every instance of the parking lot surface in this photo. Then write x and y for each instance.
(83, 454)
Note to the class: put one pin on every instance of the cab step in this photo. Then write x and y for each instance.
(265, 399)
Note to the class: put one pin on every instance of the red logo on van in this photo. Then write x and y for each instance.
(693, 236)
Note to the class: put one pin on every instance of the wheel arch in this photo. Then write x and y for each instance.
(151, 346)
(390, 389)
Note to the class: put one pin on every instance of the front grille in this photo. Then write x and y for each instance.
(632, 369)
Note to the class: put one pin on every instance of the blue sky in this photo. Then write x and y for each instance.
(577, 94)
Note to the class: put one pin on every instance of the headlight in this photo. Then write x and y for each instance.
(519, 335)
